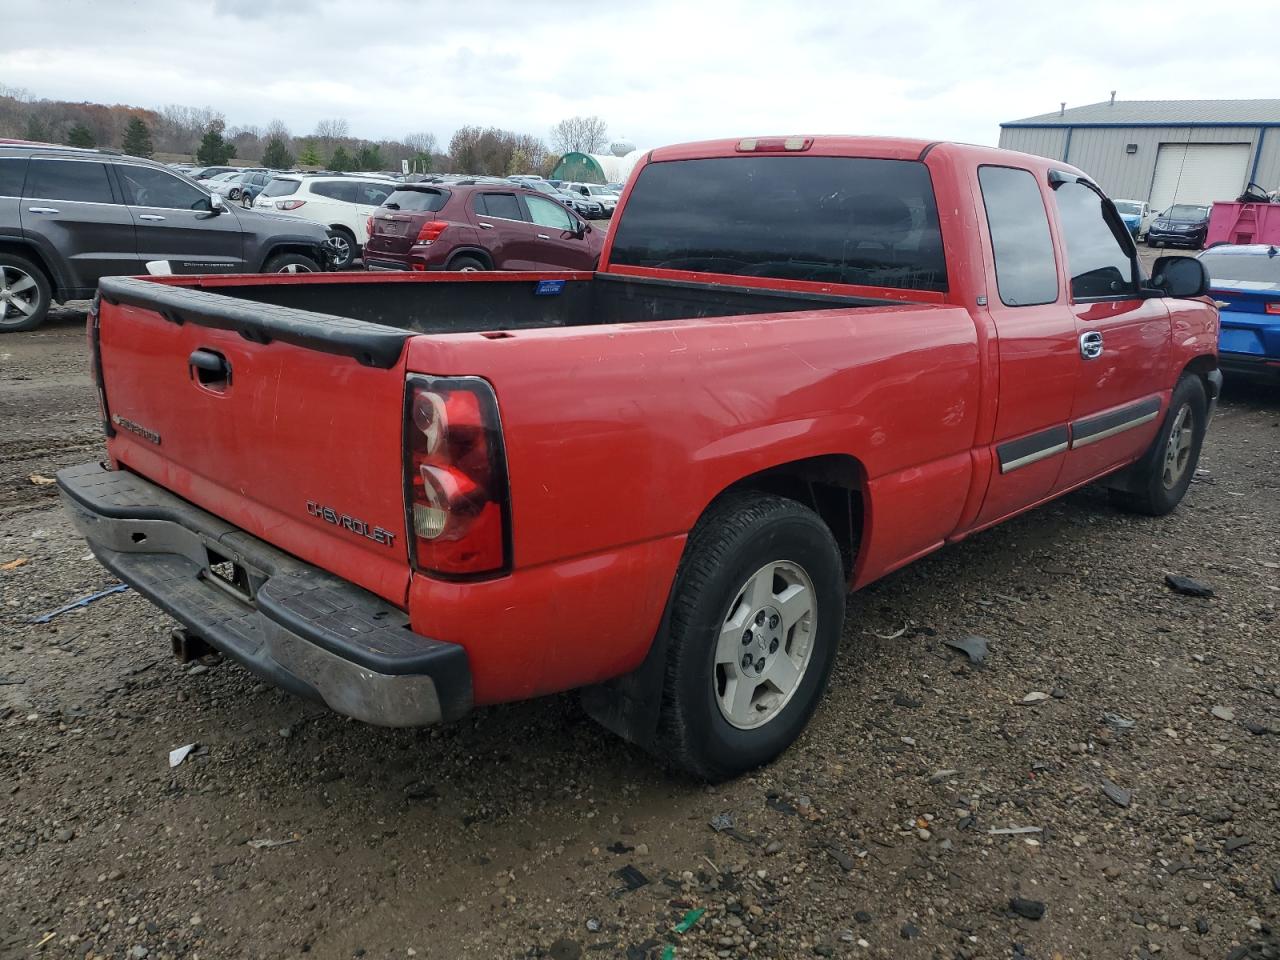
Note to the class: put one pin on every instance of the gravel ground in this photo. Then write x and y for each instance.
(1134, 733)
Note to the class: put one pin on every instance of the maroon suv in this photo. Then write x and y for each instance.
(474, 225)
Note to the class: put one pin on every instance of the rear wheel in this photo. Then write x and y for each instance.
(290, 263)
(754, 626)
(467, 264)
(1160, 479)
(25, 294)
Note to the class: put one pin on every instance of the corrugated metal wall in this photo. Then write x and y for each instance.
(1100, 151)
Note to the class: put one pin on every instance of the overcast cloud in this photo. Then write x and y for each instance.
(657, 72)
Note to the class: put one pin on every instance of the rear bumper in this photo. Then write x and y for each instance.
(373, 262)
(1252, 365)
(291, 623)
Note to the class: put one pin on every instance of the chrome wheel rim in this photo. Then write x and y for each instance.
(1177, 449)
(19, 295)
(295, 268)
(341, 249)
(765, 644)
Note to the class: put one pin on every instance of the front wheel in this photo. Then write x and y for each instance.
(1160, 479)
(755, 623)
(342, 249)
(290, 263)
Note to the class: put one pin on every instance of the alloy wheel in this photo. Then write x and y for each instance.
(1177, 452)
(765, 644)
(19, 295)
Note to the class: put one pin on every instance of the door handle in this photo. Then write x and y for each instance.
(41, 210)
(543, 236)
(486, 226)
(1091, 345)
(150, 216)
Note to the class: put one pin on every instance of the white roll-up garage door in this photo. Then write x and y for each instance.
(1198, 173)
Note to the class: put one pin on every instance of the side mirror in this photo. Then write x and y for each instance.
(216, 204)
(1180, 277)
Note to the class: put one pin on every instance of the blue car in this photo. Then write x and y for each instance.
(1245, 281)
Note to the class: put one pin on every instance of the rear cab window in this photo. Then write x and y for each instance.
(1026, 269)
(85, 181)
(849, 220)
(417, 201)
(1102, 266)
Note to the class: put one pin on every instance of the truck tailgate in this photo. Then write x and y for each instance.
(286, 423)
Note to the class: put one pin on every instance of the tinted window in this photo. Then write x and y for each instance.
(1260, 268)
(547, 213)
(503, 205)
(12, 171)
(281, 188)
(824, 219)
(335, 190)
(417, 201)
(372, 194)
(1097, 260)
(148, 187)
(68, 180)
(1026, 271)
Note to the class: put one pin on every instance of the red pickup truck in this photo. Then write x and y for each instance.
(802, 364)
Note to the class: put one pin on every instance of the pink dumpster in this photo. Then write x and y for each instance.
(1243, 223)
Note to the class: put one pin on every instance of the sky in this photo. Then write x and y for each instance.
(657, 72)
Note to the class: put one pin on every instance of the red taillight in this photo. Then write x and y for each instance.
(368, 226)
(431, 230)
(289, 204)
(92, 328)
(455, 477)
(775, 144)
(1273, 308)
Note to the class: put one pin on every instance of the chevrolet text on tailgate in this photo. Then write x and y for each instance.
(803, 363)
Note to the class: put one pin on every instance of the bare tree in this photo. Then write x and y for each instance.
(423, 144)
(581, 134)
(332, 130)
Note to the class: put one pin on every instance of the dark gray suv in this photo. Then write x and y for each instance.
(69, 217)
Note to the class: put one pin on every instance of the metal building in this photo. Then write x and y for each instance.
(1163, 151)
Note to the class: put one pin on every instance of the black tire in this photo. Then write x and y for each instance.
(1150, 242)
(465, 262)
(290, 263)
(343, 248)
(1158, 482)
(27, 307)
(740, 534)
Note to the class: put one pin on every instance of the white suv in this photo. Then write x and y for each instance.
(341, 203)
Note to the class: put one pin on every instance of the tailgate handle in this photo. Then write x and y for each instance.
(209, 368)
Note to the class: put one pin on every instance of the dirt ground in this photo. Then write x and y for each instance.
(505, 835)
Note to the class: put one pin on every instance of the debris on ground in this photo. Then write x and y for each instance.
(974, 647)
(40, 480)
(1117, 722)
(13, 564)
(178, 754)
(1223, 713)
(1116, 794)
(631, 877)
(1188, 587)
(82, 602)
(722, 822)
(265, 844)
(690, 919)
(1013, 831)
(1028, 909)
(1035, 696)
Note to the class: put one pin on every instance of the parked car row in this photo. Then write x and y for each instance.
(69, 217)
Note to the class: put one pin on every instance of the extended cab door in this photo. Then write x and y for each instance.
(562, 242)
(72, 213)
(1038, 362)
(1124, 338)
(176, 223)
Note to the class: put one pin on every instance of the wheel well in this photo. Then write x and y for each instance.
(1202, 366)
(476, 254)
(831, 485)
(29, 252)
(342, 228)
(299, 248)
